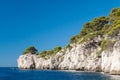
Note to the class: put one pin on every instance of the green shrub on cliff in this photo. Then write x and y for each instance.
(31, 50)
(115, 29)
(73, 39)
(105, 44)
(43, 53)
(94, 26)
(114, 15)
(48, 53)
(57, 49)
(103, 26)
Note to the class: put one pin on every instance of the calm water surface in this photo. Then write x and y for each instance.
(17, 74)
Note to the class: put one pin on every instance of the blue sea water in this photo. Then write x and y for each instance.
(18, 74)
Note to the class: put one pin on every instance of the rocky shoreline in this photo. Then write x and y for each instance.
(77, 59)
(96, 48)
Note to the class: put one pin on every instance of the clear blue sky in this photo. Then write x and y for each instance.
(44, 23)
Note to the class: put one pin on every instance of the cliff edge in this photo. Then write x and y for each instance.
(96, 48)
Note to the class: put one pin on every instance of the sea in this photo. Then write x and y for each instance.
(13, 73)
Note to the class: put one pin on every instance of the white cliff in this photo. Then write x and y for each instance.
(111, 60)
(95, 48)
(26, 61)
(81, 57)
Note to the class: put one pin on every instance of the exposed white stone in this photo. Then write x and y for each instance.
(111, 60)
(80, 57)
(26, 61)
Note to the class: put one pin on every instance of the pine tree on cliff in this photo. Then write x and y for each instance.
(31, 50)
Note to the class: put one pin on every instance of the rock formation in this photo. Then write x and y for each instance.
(81, 57)
(89, 51)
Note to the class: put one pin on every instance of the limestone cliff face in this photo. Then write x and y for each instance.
(81, 57)
(95, 48)
(26, 61)
(33, 61)
(111, 60)
(111, 57)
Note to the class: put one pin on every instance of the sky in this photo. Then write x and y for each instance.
(44, 24)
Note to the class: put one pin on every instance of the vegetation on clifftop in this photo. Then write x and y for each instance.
(91, 27)
(47, 53)
(103, 26)
(31, 50)
(100, 26)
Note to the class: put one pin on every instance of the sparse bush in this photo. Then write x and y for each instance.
(57, 49)
(105, 45)
(115, 28)
(114, 15)
(46, 54)
(31, 50)
(109, 26)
